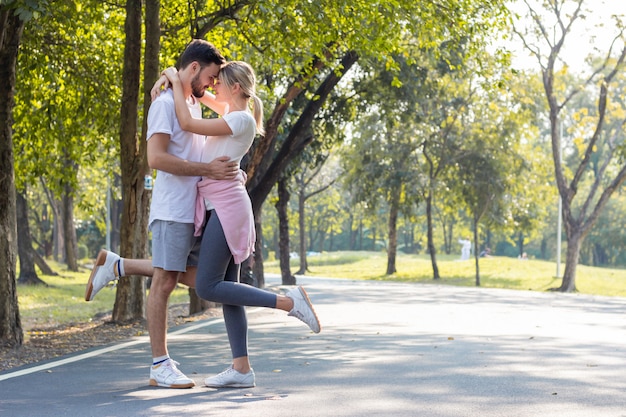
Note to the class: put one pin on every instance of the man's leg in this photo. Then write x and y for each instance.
(188, 277)
(171, 246)
(163, 283)
(102, 274)
(109, 267)
(141, 267)
(163, 372)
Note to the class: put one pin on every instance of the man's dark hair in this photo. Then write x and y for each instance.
(201, 51)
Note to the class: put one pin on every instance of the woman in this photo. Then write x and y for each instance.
(225, 207)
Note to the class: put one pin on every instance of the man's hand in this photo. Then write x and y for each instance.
(222, 168)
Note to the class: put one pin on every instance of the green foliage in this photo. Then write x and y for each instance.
(67, 98)
(429, 53)
(605, 244)
(27, 10)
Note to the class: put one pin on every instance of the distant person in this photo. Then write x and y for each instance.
(523, 256)
(485, 253)
(466, 248)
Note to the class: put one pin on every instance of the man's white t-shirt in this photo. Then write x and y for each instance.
(235, 146)
(174, 196)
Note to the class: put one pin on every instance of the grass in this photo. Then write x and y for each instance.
(495, 272)
(62, 302)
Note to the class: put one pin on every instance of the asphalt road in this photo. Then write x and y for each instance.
(386, 349)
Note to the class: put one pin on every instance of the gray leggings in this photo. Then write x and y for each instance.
(217, 280)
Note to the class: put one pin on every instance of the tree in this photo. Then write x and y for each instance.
(325, 211)
(266, 165)
(380, 166)
(545, 40)
(319, 59)
(446, 92)
(63, 118)
(284, 253)
(130, 297)
(493, 169)
(26, 253)
(13, 15)
(482, 185)
(304, 180)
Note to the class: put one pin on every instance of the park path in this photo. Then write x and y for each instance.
(386, 349)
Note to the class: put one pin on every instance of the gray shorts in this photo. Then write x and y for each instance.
(174, 247)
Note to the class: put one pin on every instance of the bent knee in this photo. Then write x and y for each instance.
(164, 281)
(206, 292)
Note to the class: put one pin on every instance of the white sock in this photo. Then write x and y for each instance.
(120, 268)
(158, 360)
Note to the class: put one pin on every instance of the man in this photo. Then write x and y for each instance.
(175, 154)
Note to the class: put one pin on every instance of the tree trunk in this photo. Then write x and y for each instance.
(258, 250)
(197, 304)
(430, 238)
(266, 163)
(321, 241)
(353, 233)
(58, 237)
(392, 248)
(544, 248)
(448, 237)
(374, 238)
(42, 264)
(574, 240)
(476, 253)
(130, 298)
(69, 231)
(283, 232)
(11, 333)
(117, 207)
(45, 245)
(28, 274)
(302, 233)
(54, 216)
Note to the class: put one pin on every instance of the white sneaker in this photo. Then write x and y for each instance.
(102, 273)
(231, 378)
(167, 375)
(303, 309)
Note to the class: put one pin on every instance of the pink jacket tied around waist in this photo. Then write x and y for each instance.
(234, 210)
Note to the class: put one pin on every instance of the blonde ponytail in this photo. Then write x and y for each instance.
(257, 107)
(242, 73)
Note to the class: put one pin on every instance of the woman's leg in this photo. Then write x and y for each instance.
(215, 263)
(217, 267)
(236, 323)
(217, 280)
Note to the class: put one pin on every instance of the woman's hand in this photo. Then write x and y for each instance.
(172, 75)
(164, 82)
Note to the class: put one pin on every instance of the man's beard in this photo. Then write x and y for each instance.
(197, 89)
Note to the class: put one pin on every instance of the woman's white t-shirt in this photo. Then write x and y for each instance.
(235, 146)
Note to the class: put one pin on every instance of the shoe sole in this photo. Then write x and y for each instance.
(231, 386)
(154, 383)
(308, 302)
(100, 260)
